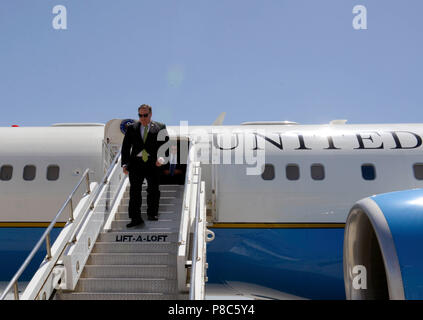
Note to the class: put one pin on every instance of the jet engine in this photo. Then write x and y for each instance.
(383, 242)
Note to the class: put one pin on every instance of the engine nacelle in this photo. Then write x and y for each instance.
(383, 256)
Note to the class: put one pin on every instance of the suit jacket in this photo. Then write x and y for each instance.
(133, 143)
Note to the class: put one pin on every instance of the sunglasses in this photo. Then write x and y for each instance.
(144, 115)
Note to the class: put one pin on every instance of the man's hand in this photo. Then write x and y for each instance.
(125, 171)
(159, 161)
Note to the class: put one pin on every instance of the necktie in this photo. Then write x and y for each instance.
(144, 152)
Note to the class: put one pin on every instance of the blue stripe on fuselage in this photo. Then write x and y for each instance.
(302, 262)
(15, 246)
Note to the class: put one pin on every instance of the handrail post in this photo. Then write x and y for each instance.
(195, 257)
(71, 218)
(16, 291)
(88, 183)
(48, 246)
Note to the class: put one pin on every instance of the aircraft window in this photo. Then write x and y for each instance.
(6, 172)
(269, 172)
(418, 171)
(29, 172)
(53, 172)
(368, 172)
(292, 172)
(317, 172)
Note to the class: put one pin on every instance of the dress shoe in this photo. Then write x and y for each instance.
(134, 223)
(153, 218)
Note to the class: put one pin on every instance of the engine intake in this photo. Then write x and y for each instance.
(382, 244)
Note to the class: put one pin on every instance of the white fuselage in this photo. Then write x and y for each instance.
(72, 149)
(341, 150)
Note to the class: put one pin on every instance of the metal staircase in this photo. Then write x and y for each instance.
(137, 263)
(96, 257)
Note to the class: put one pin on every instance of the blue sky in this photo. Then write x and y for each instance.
(298, 60)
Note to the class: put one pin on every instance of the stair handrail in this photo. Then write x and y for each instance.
(192, 291)
(192, 219)
(85, 227)
(186, 197)
(46, 237)
(183, 235)
(103, 182)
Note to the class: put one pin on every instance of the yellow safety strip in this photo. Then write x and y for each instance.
(30, 224)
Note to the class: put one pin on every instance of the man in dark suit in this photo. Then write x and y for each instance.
(139, 159)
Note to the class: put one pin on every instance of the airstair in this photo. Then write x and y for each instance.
(97, 257)
(136, 263)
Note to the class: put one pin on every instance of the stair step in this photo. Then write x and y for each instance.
(129, 271)
(163, 193)
(162, 206)
(118, 296)
(148, 258)
(134, 247)
(162, 201)
(161, 224)
(161, 210)
(162, 187)
(166, 215)
(127, 285)
(133, 236)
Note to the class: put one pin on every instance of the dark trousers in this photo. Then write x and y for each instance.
(136, 177)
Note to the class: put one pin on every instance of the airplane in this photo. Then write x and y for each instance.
(298, 214)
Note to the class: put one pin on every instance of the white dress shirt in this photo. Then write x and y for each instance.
(142, 129)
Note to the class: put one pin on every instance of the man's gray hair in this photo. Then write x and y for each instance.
(145, 106)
